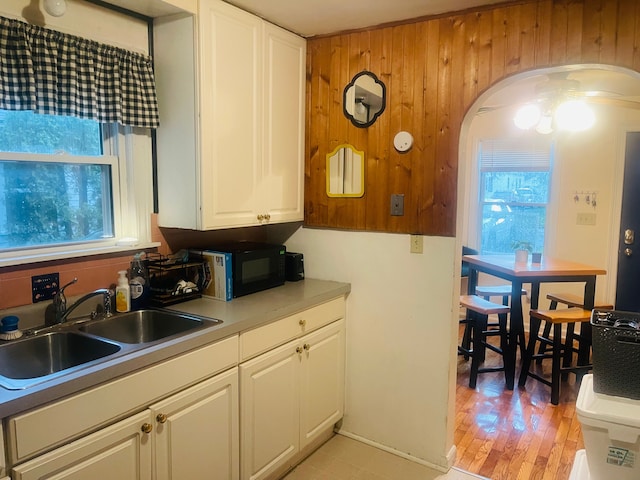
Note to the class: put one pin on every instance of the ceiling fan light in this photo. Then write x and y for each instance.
(527, 117)
(55, 8)
(574, 116)
(544, 126)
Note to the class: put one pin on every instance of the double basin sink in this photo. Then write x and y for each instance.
(63, 349)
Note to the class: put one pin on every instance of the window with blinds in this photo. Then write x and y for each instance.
(515, 180)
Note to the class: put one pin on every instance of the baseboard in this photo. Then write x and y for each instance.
(439, 468)
(451, 456)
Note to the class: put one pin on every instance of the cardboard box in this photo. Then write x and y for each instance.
(218, 282)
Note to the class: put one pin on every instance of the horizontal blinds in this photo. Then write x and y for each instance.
(515, 155)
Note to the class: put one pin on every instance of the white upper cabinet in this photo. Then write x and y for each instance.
(231, 93)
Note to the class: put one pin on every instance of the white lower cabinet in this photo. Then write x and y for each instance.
(190, 435)
(289, 396)
(196, 432)
(121, 451)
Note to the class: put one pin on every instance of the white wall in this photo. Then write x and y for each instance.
(86, 20)
(400, 336)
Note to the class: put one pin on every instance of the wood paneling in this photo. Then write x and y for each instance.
(434, 70)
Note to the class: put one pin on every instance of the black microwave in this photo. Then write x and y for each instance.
(256, 266)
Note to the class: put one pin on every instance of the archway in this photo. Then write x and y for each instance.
(583, 162)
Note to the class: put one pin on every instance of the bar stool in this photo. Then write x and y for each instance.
(571, 301)
(478, 311)
(504, 291)
(559, 350)
(485, 291)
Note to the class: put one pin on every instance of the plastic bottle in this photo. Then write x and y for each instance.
(123, 293)
(138, 283)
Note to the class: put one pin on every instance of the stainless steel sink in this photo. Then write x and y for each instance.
(50, 353)
(144, 326)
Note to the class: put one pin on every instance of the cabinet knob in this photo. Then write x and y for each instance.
(302, 322)
(306, 346)
(267, 216)
(146, 428)
(260, 217)
(161, 418)
(298, 350)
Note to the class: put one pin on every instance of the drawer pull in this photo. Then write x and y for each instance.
(298, 350)
(302, 322)
(307, 347)
(161, 418)
(146, 428)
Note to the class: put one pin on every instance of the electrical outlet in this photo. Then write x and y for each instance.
(416, 243)
(586, 219)
(397, 204)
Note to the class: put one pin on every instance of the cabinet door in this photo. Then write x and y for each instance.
(231, 99)
(269, 414)
(197, 431)
(119, 451)
(283, 184)
(322, 381)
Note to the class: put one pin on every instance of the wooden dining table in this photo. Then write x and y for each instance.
(549, 270)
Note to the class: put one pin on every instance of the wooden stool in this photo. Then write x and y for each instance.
(570, 300)
(504, 291)
(559, 350)
(478, 311)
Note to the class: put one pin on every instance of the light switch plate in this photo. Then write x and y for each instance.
(44, 287)
(397, 204)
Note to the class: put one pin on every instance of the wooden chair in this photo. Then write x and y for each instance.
(571, 301)
(561, 354)
(478, 311)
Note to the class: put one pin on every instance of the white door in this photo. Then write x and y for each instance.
(121, 451)
(196, 431)
(322, 381)
(283, 169)
(231, 99)
(269, 410)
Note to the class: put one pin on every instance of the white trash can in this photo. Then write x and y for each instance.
(611, 432)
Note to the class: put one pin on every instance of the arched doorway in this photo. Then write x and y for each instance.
(586, 162)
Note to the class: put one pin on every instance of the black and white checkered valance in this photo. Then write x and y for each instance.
(54, 73)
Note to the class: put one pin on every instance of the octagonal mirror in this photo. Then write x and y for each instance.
(364, 99)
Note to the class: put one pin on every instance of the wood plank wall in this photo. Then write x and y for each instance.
(434, 69)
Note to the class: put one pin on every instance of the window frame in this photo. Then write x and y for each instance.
(128, 151)
(535, 165)
(108, 160)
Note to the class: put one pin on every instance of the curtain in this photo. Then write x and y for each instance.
(54, 73)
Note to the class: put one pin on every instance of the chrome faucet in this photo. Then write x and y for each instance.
(60, 302)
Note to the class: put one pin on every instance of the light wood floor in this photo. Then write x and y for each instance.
(519, 434)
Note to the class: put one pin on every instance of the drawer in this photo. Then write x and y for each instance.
(59, 422)
(266, 337)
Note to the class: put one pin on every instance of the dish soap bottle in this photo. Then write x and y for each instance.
(138, 283)
(123, 293)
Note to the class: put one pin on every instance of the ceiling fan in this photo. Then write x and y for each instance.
(558, 88)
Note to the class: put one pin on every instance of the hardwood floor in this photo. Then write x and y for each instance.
(519, 434)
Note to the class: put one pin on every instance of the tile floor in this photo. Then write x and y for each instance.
(343, 458)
